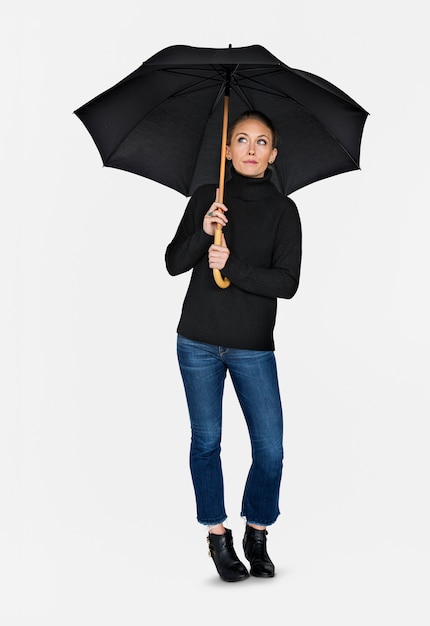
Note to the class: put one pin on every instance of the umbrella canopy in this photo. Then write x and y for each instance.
(168, 119)
(164, 120)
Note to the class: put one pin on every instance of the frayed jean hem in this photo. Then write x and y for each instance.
(215, 522)
(257, 522)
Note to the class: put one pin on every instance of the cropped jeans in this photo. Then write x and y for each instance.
(254, 376)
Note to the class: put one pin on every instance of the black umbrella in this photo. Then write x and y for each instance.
(168, 119)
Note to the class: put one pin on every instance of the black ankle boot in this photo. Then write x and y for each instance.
(225, 558)
(254, 546)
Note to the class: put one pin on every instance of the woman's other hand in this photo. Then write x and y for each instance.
(218, 255)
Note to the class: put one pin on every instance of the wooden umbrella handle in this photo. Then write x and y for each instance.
(220, 281)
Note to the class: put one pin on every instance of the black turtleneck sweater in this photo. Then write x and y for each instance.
(263, 234)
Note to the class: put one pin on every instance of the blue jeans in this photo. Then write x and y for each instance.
(255, 380)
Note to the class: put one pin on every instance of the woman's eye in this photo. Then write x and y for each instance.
(262, 142)
(241, 139)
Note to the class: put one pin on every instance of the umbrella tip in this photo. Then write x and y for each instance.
(229, 45)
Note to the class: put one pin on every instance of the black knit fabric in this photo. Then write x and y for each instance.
(264, 237)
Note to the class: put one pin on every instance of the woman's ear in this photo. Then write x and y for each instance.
(227, 153)
(273, 156)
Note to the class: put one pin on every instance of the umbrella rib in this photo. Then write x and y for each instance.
(283, 95)
(237, 76)
(218, 76)
(190, 89)
(214, 75)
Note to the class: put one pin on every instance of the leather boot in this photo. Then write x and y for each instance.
(254, 546)
(225, 558)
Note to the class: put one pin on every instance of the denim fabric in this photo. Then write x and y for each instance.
(254, 376)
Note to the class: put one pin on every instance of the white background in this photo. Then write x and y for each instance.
(97, 511)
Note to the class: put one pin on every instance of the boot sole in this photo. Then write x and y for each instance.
(264, 575)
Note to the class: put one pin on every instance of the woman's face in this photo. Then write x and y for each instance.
(250, 148)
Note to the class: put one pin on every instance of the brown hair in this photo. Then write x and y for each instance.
(253, 115)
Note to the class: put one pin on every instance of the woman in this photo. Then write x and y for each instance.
(231, 330)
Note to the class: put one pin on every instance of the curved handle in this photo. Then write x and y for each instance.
(220, 281)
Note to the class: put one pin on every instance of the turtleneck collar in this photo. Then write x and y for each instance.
(250, 189)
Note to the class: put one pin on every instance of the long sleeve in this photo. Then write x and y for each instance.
(281, 279)
(190, 242)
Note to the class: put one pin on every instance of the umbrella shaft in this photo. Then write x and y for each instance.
(223, 150)
(220, 281)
